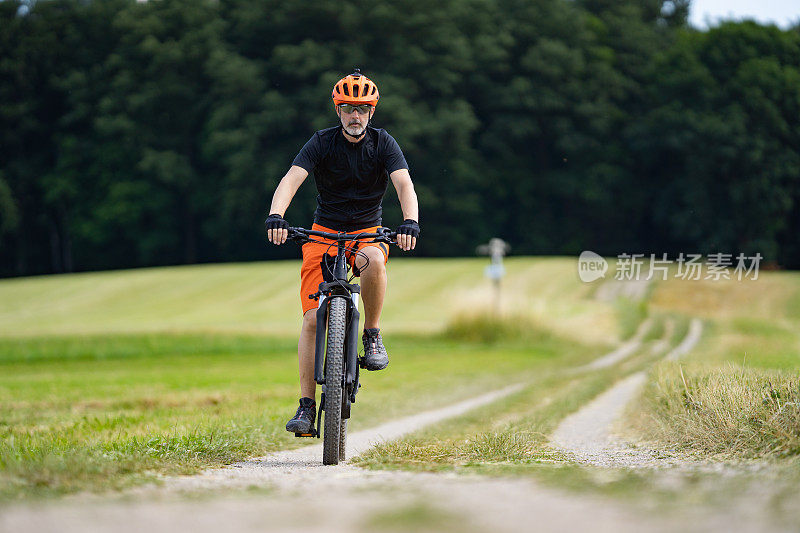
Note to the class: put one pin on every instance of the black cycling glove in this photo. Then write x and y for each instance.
(409, 227)
(275, 221)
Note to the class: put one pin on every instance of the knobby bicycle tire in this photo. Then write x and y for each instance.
(343, 440)
(334, 370)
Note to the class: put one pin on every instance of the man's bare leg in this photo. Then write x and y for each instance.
(306, 347)
(302, 423)
(373, 285)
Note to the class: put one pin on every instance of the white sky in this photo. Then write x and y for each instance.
(780, 12)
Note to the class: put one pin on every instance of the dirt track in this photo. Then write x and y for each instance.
(588, 434)
(345, 498)
(292, 491)
(295, 476)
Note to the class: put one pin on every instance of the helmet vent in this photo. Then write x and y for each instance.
(365, 89)
(373, 90)
(346, 90)
(356, 88)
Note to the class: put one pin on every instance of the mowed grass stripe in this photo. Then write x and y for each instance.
(423, 295)
(243, 296)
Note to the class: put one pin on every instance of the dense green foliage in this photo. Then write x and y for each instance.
(154, 133)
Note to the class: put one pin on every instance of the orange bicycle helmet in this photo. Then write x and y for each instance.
(355, 89)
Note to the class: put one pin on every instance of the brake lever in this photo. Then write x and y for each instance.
(387, 235)
(298, 236)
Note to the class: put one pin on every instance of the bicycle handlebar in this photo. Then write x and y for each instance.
(383, 235)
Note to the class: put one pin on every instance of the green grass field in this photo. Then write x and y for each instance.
(109, 379)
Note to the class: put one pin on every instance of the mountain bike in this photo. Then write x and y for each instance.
(336, 361)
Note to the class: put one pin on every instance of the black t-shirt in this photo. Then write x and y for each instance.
(351, 177)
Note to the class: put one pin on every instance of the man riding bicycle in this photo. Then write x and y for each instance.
(352, 163)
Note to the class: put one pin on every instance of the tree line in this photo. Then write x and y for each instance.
(154, 133)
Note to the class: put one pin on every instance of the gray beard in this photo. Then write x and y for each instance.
(354, 131)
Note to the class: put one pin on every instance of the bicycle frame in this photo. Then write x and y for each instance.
(339, 287)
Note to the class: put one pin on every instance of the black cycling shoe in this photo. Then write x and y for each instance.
(375, 356)
(303, 421)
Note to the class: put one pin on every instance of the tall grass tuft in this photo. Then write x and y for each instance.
(730, 411)
(490, 328)
(500, 446)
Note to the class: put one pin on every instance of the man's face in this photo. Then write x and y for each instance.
(354, 118)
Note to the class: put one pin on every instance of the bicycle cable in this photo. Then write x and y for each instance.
(332, 273)
(352, 249)
(359, 253)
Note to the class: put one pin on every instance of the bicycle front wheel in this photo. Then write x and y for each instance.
(334, 369)
(343, 440)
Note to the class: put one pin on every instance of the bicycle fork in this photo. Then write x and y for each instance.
(351, 373)
(351, 356)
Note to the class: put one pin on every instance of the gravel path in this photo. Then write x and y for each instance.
(624, 350)
(292, 491)
(288, 468)
(692, 337)
(588, 434)
(349, 499)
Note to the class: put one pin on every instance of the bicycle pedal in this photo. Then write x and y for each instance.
(305, 434)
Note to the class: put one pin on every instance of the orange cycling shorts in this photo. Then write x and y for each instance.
(311, 271)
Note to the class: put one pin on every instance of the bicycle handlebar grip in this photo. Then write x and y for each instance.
(387, 233)
(297, 234)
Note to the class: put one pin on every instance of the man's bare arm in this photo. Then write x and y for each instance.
(284, 193)
(408, 203)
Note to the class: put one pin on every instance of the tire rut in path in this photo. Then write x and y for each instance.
(288, 468)
(587, 434)
(622, 352)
